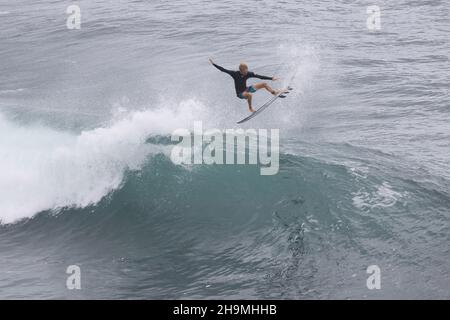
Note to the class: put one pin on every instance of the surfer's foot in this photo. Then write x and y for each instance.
(277, 92)
(251, 109)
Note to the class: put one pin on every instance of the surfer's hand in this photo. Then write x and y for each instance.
(275, 78)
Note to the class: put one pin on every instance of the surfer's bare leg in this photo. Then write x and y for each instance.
(249, 98)
(264, 85)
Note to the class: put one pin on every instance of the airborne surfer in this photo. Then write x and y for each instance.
(240, 83)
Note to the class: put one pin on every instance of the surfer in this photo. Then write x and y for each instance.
(240, 82)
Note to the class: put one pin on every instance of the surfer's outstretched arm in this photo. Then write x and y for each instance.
(254, 75)
(220, 68)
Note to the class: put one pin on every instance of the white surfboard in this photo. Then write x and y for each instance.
(265, 105)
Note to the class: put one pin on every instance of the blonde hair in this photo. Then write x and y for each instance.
(243, 66)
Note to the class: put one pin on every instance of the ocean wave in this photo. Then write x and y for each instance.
(44, 169)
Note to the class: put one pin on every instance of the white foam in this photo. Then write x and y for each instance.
(302, 63)
(383, 197)
(42, 168)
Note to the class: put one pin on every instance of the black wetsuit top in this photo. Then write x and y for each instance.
(240, 81)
